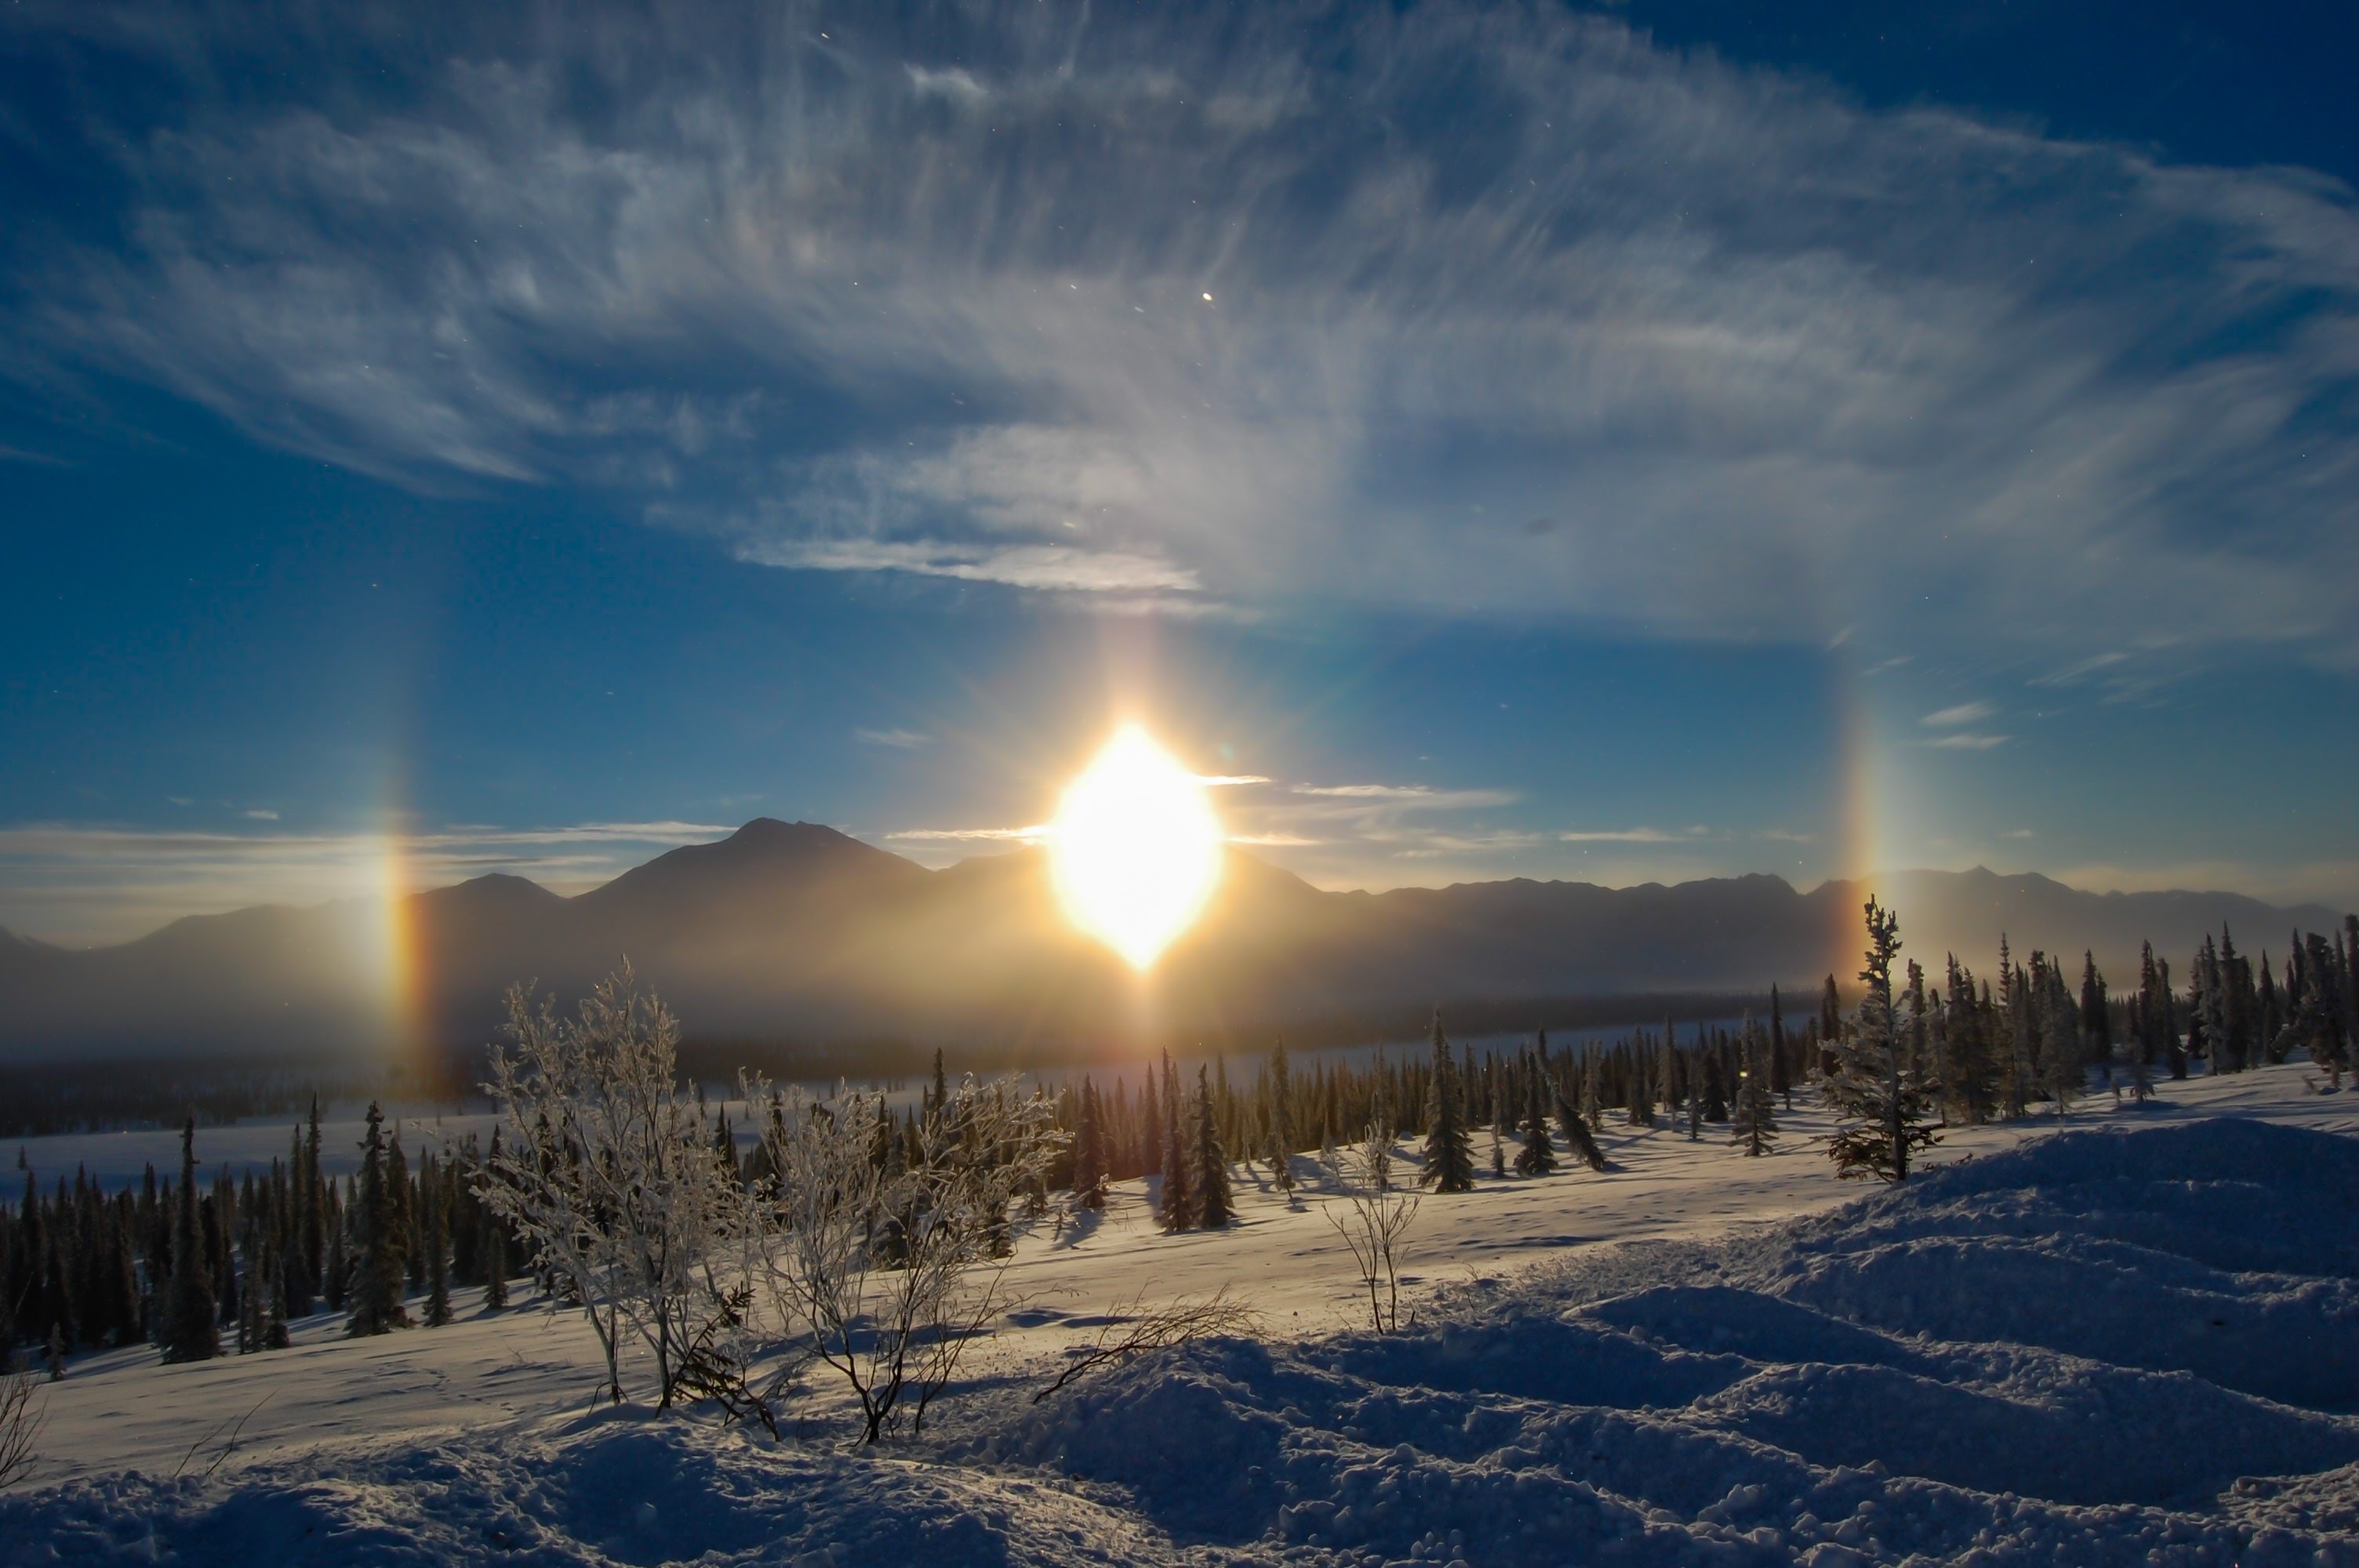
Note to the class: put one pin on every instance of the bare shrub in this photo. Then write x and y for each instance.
(1373, 1217)
(890, 1258)
(21, 1418)
(1130, 1332)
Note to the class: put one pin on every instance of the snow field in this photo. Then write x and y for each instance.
(2096, 1347)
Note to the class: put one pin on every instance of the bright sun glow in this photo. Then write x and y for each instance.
(1135, 847)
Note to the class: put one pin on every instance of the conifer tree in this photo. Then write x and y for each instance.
(377, 1272)
(1537, 1157)
(1178, 1198)
(1214, 1207)
(188, 1333)
(1882, 1101)
(1642, 1106)
(2096, 1016)
(315, 1205)
(2021, 1069)
(1496, 1079)
(434, 1235)
(1448, 1153)
(1829, 1024)
(1089, 1153)
(337, 1285)
(495, 1236)
(1969, 1081)
(404, 1193)
(1752, 1126)
(1781, 1072)
(1282, 1132)
(296, 1282)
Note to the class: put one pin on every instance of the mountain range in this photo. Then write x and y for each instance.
(786, 931)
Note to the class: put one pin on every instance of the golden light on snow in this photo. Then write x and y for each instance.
(1135, 848)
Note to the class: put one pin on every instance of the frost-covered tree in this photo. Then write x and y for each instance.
(892, 1324)
(1882, 1102)
(611, 1181)
(1449, 1152)
(1753, 1125)
(187, 1331)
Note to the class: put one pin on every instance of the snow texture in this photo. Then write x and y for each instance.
(2093, 1347)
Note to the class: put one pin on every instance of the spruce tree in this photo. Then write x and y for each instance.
(377, 1272)
(2059, 1029)
(1781, 1074)
(1214, 1208)
(1089, 1153)
(434, 1234)
(495, 1237)
(1882, 1100)
(1494, 1080)
(1642, 1106)
(1537, 1157)
(1449, 1152)
(188, 1329)
(1279, 1086)
(315, 1202)
(1752, 1126)
(1178, 1196)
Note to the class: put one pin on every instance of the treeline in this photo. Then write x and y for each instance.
(44, 1100)
(196, 1266)
(1976, 1050)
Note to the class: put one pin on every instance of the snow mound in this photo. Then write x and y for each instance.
(623, 1488)
(2105, 1348)
(2102, 1348)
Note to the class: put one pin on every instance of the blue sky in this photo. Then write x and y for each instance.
(1624, 444)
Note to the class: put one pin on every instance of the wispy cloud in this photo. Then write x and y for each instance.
(1726, 331)
(1967, 741)
(893, 740)
(259, 814)
(1629, 835)
(2018, 833)
(957, 834)
(1048, 568)
(1963, 713)
(2079, 669)
(1230, 781)
(1421, 797)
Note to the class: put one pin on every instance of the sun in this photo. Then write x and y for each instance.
(1135, 848)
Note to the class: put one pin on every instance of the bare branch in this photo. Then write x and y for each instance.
(1177, 1322)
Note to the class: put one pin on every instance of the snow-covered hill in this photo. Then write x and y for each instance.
(2133, 1341)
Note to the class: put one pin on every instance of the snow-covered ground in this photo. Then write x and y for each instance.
(2134, 1341)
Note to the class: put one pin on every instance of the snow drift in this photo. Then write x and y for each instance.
(2101, 1347)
